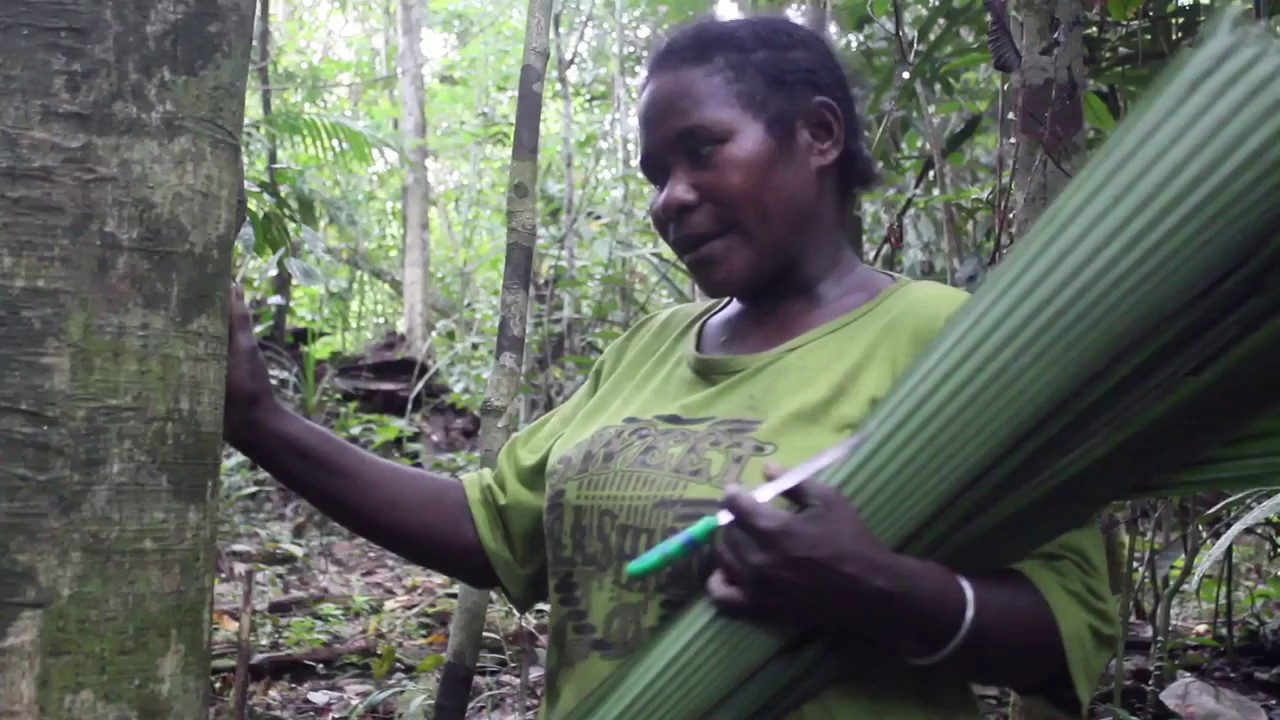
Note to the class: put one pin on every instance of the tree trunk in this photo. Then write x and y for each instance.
(1048, 87)
(283, 280)
(499, 410)
(120, 162)
(417, 189)
(1048, 93)
(565, 59)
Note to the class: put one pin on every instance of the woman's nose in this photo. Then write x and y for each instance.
(674, 201)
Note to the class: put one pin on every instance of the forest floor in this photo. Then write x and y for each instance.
(338, 622)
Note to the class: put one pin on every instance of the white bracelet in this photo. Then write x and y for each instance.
(965, 626)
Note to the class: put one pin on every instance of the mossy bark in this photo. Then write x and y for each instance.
(1049, 104)
(119, 174)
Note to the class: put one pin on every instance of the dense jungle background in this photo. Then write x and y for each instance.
(378, 148)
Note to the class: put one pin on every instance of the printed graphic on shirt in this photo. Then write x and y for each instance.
(617, 494)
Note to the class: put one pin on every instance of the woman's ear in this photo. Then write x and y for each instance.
(822, 130)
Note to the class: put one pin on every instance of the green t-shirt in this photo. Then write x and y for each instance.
(647, 445)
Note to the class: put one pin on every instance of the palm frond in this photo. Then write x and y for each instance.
(331, 138)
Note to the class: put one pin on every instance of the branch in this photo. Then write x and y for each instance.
(359, 261)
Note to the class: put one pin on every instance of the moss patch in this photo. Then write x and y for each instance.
(129, 648)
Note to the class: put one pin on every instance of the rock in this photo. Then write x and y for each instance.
(1195, 699)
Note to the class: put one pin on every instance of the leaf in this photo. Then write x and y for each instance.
(965, 62)
(385, 661)
(246, 492)
(332, 138)
(429, 663)
(1122, 9)
(1096, 112)
(414, 710)
(375, 700)
(271, 231)
(312, 240)
(304, 272)
(225, 621)
(246, 239)
(399, 602)
(294, 550)
(1004, 49)
(1253, 517)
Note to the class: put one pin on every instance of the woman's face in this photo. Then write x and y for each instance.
(730, 201)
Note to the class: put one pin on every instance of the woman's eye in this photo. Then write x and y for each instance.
(702, 152)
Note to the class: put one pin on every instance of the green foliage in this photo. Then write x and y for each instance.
(332, 216)
(332, 139)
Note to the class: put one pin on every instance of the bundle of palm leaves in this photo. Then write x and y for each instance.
(1127, 347)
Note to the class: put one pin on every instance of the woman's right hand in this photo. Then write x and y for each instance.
(248, 389)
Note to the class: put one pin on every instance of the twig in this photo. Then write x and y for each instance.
(951, 246)
(1228, 572)
(526, 650)
(1127, 590)
(244, 649)
(276, 664)
(999, 201)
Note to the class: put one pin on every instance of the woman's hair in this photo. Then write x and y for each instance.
(777, 67)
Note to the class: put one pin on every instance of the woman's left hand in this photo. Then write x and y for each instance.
(821, 568)
(812, 566)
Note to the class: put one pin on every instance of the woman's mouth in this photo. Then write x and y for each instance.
(691, 245)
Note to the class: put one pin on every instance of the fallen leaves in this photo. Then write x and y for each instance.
(344, 622)
(224, 620)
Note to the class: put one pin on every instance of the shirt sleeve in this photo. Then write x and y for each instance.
(1071, 574)
(507, 501)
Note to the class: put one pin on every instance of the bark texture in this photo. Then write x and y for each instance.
(1048, 86)
(1048, 89)
(417, 188)
(119, 177)
(499, 410)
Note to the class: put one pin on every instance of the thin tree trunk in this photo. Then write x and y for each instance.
(1047, 86)
(499, 409)
(283, 281)
(952, 250)
(417, 188)
(624, 152)
(120, 163)
(565, 59)
(1048, 103)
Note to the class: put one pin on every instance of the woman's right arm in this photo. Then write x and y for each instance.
(421, 516)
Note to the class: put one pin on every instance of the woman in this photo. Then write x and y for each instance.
(750, 138)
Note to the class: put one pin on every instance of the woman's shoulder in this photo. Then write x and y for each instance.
(668, 321)
(926, 302)
(917, 310)
(660, 331)
(930, 295)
